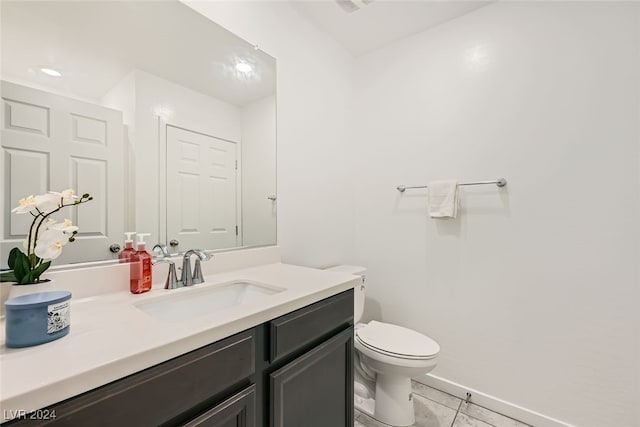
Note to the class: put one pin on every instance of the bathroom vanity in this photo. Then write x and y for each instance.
(285, 360)
(292, 371)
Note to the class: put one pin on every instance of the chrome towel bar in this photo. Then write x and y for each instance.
(501, 182)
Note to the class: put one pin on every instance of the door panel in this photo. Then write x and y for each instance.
(201, 190)
(51, 143)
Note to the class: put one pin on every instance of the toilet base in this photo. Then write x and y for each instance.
(393, 402)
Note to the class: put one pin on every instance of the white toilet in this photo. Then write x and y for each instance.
(387, 357)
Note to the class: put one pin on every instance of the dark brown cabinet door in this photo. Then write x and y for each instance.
(237, 411)
(316, 389)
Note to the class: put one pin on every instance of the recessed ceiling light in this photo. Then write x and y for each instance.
(243, 67)
(51, 72)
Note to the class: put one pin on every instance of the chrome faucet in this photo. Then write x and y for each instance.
(187, 279)
(163, 249)
(172, 281)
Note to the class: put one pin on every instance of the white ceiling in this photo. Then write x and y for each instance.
(95, 44)
(380, 22)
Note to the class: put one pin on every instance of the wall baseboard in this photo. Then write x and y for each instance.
(490, 402)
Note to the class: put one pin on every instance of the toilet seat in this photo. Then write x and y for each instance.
(396, 341)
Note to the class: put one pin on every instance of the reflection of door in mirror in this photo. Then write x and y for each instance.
(201, 177)
(51, 142)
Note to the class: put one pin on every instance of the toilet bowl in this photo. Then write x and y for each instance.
(387, 357)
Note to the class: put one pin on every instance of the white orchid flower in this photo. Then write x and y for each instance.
(66, 227)
(50, 244)
(68, 196)
(47, 203)
(46, 236)
(43, 227)
(25, 205)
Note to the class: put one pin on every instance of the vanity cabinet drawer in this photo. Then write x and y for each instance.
(310, 325)
(166, 392)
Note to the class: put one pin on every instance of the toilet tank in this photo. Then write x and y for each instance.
(358, 291)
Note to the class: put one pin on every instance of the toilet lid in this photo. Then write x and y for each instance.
(396, 340)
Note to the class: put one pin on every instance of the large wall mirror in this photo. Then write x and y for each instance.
(165, 117)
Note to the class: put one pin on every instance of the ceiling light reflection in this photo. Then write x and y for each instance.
(51, 72)
(477, 57)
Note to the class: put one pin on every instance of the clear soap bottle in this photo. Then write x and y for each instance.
(141, 281)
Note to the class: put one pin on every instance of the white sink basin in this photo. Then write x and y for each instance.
(187, 303)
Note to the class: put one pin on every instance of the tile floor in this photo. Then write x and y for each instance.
(435, 408)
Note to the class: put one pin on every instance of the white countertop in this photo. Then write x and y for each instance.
(111, 338)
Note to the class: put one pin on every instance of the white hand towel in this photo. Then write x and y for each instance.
(443, 199)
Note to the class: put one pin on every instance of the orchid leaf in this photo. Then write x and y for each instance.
(28, 278)
(21, 267)
(8, 276)
(13, 255)
(37, 272)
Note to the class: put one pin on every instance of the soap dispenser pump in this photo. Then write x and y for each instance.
(128, 251)
(142, 282)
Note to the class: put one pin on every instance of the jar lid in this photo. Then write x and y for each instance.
(37, 299)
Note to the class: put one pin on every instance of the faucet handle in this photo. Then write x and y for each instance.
(185, 277)
(172, 281)
(197, 273)
(197, 270)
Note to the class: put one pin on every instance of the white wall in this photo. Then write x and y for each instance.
(122, 97)
(258, 172)
(314, 92)
(533, 291)
(184, 107)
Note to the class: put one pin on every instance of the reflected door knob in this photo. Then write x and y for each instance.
(173, 243)
(115, 248)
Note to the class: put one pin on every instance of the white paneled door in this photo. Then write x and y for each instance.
(51, 143)
(202, 193)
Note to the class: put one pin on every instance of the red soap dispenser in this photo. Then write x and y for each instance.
(128, 251)
(141, 281)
